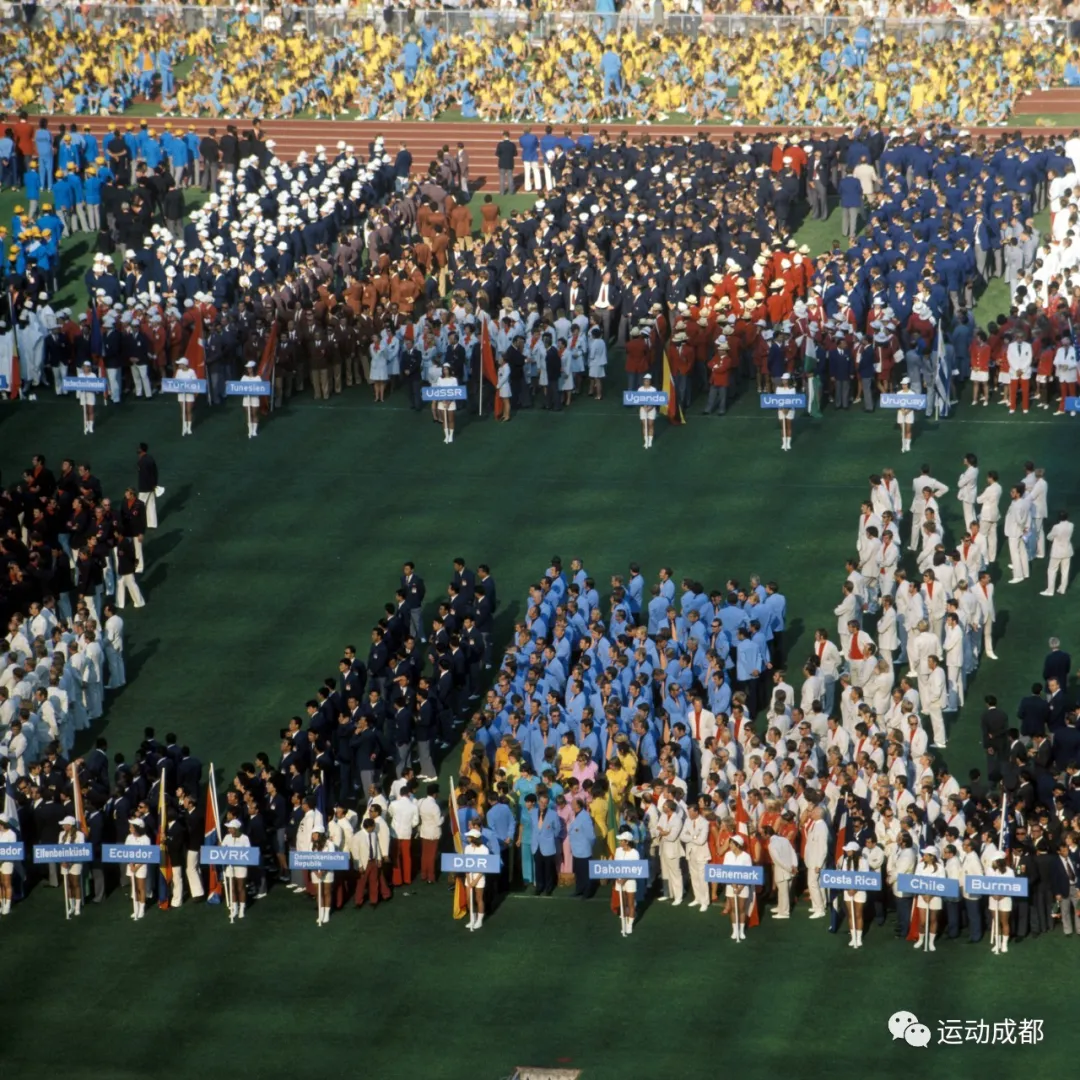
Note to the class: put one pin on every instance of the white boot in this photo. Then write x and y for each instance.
(629, 925)
(742, 931)
(5, 907)
(997, 946)
(142, 910)
(240, 914)
(78, 907)
(479, 920)
(932, 936)
(472, 922)
(318, 918)
(1005, 943)
(91, 425)
(858, 939)
(851, 940)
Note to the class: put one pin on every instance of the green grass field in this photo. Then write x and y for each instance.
(274, 553)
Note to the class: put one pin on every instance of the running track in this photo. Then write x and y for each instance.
(425, 140)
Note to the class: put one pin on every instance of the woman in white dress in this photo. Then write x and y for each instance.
(1000, 909)
(503, 387)
(576, 347)
(187, 401)
(447, 409)
(86, 399)
(7, 868)
(854, 899)
(786, 415)
(379, 372)
(70, 833)
(137, 871)
(323, 880)
(929, 906)
(251, 402)
(626, 887)
(739, 895)
(905, 418)
(474, 882)
(646, 412)
(235, 876)
(566, 372)
(597, 362)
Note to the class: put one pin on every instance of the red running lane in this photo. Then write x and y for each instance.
(426, 139)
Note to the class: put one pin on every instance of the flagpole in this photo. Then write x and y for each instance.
(480, 368)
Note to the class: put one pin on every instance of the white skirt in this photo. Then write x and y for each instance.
(786, 414)
(905, 416)
(647, 413)
(86, 399)
(7, 868)
(237, 872)
(186, 399)
(1000, 903)
(931, 903)
(250, 402)
(322, 877)
(596, 371)
(980, 376)
(854, 897)
(137, 871)
(735, 890)
(628, 888)
(447, 406)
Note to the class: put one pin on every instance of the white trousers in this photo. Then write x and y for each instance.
(117, 676)
(194, 878)
(1058, 564)
(128, 584)
(969, 512)
(817, 893)
(937, 723)
(1018, 553)
(532, 175)
(142, 380)
(671, 869)
(989, 529)
(696, 861)
(113, 375)
(149, 500)
(1040, 539)
(783, 895)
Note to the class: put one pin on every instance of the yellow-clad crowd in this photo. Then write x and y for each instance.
(600, 72)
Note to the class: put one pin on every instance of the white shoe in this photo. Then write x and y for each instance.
(663, 899)
(734, 934)
(676, 903)
(1016, 581)
(781, 916)
(996, 948)
(851, 942)
(817, 914)
(1047, 592)
(918, 944)
(992, 656)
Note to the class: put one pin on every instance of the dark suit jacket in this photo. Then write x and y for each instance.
(1057, 665)
(1033, 715)
(1058, 706)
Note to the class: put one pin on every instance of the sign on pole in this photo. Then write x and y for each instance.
(621, 869)
(783, 401)
(903, 401)
(645, 397)
(1072, 405)
(223, 855)
(852, 880)
(724, 874)
(126, 854)
(319, 860)
(996, 885)
(183, 386)
(83, 384)
(444, 393)
(453, 863)
(261, 388)
(12, 852)
(923, 885)
(57, 853)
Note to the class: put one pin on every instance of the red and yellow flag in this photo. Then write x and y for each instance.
(487, 360)
(461, 900)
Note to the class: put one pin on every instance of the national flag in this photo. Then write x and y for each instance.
(1003, 832)
(841, 834)
(461, 900)
(942, 376)
(165, 867)
(742, 827)
(674, 410)
(97, 339)
(265, 370)
(612, 824)
(487, 361)
(915, 926)
(211, 836)
(196, 350)
(77, 800)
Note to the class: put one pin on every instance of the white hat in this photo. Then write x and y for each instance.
(137, 821)
(474, 834)
(905, 381)
(182, 360)
(625, 836)
(737, 839)
(69, 820)
(851, 846)
(250, 363)
(929, 851)
(234, 824)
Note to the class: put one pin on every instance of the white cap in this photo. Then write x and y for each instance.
(234, 824)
